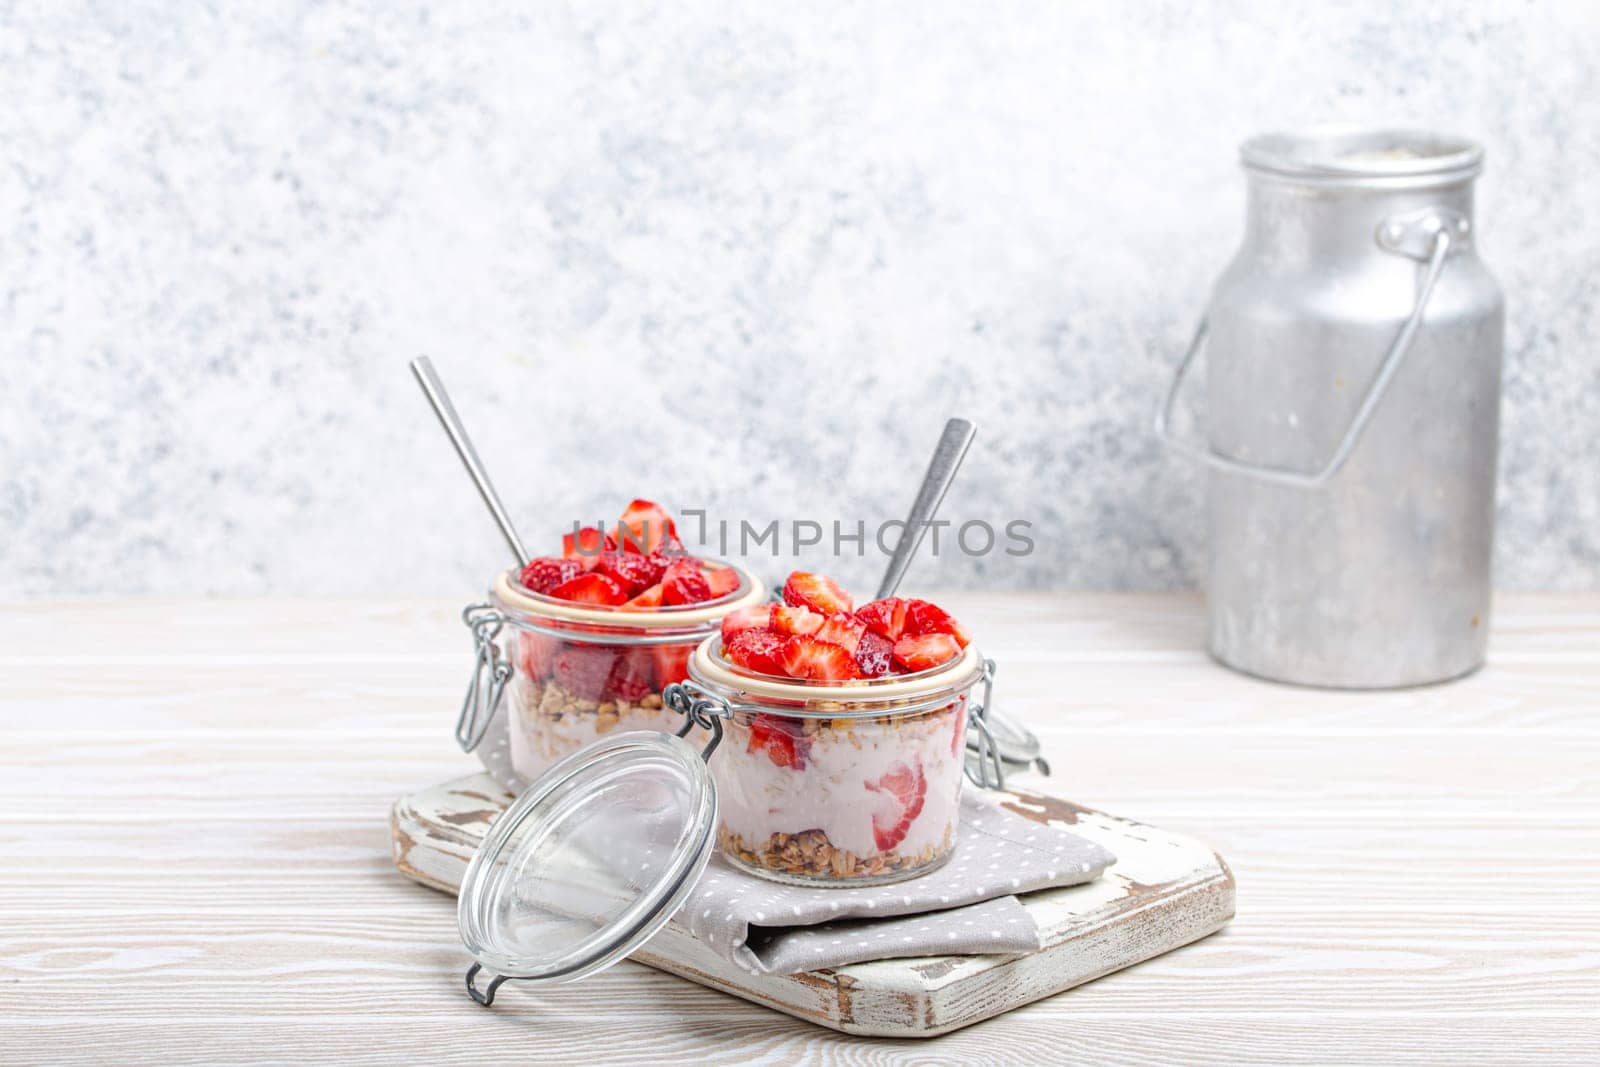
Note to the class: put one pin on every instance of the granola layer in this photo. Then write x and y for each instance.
(809, 854)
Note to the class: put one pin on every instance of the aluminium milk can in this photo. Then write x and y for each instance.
(1353, 398)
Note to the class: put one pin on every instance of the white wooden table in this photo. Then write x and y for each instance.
(194, 859)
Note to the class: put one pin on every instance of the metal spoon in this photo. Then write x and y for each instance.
(439, 399)
(947, 457)
(1015, 743)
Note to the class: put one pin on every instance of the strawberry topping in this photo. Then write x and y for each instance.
(842, 630)
(633, 573)
(644, 528)
(722, 580)
(586, 546)
(757, 650)
(591, 588)
(886, 617)
(806, 657)
(817, 592)
(874, 655)
(545, 573)
(925, 618)
(754, 617)
(645, 601)
(919, 652)
(901, 792)
(787, 620)
(683, 583)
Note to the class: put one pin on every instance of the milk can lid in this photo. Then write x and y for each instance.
(589, 861)
(1363, 153)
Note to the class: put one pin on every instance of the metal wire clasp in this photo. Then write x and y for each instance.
(490, 672)
(985, 770)
(698, 708)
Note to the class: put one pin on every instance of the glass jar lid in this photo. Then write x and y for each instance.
(589, 861)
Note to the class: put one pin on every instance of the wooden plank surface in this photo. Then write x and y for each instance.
(1165, 891)
(193, 803)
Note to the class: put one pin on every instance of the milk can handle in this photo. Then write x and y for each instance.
(1402, 235)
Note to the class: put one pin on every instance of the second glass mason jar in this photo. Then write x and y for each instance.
(838, 783)
(577, 672)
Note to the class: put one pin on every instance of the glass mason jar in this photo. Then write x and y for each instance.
(578, 672)
(837, 783)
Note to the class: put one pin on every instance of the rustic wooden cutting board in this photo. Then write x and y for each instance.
(1166, 890)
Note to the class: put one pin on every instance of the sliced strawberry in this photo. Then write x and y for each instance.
(817, 592)
(586, 546)
(657, 562)
(672, 663)
(757, 650)
(959, 736)
(886, 617)
(632, 675)
(722, 580)
(645, 526)
(633, 573)
(919, 652)
(583, 670)
(902, 790)
(806, 657)
(648, 600)
(754, 617)
(684, 584)
(874, 655)
(547, 572)
(590, 588)
(534, 653)
(842, 630)
(783, 739)
(925, 618)
(787, 620)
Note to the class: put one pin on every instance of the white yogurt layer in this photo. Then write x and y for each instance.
(758, 798)
(539, 739)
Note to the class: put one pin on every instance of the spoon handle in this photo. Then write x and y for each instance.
(439, 399)
(947, 457)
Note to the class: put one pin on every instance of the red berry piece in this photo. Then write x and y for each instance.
(806, 657)
(583, 670)
(684, 584)
(886, 617)
(590, 588)
(645, 527)
(787, 620)
(960, 734)
(648, 600)
(547, 572)
(534, 653)
(722, 580)
(874, 655)
(842, 630)
(901, 792)
(672, 663)
(782, 739)
(920, 652)
(754, 617)
(586, 546)
(633, 674)
(925, 618)
(817, 592)
(757, 650)
(633, 573)
(657, 562)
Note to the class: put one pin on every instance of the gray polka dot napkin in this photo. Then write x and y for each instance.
(967, 907)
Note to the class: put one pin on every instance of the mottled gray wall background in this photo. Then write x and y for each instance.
(739, 258)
